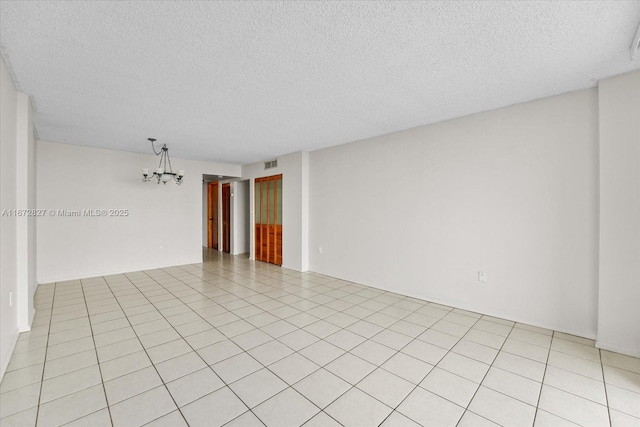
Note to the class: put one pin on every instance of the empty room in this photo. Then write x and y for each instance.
(320, 213)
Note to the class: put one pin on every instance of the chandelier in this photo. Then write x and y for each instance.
(162, 174)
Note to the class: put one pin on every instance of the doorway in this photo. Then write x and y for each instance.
(268, 219)
(212, 215)
(226, 217)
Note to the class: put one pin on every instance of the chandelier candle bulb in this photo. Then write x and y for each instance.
(181, 172)
(145, 171)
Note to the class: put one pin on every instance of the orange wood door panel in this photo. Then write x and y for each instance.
(268, 219)
(212, 215)
(226, 217)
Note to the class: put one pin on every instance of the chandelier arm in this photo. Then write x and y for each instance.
(153, 147)
(161, 158)
(169, 158)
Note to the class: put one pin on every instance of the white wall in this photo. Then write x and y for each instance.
(164, 226)
(205, 215)
(619, 292)
(241, 208)
(8, 224)
(304, 211)
(17, 233)
(511, 192)
(26, 251)
(294, 169)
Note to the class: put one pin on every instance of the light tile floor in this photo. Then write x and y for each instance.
(237, 343)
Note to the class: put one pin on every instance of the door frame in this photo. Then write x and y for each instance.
(213, 209)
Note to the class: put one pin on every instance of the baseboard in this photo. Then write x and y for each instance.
(27, 327)
(114, 272)
(618, 349)
(558, 328)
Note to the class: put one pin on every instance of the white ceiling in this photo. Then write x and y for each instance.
(247, 81)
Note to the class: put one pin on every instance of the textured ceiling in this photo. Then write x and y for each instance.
(247, 81)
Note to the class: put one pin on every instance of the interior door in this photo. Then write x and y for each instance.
(212, 215)
(268, 219)
(226, 217)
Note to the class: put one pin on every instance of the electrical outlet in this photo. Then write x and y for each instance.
(10, 298)
(320, 250)
(482, 277)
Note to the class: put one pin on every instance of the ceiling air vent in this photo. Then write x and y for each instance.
(271, 164)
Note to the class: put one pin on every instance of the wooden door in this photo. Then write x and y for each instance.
(212, 215)
(268, 219)
(226, 217)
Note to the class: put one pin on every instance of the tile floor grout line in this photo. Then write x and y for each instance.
(484, 376)
(577, 373)
(546, 364)
(604, 384)
(427, 374)
(150, 359)
(95, 348)
(396, 351)
(210, 366)
(397, 320)
(346, 351)
(267, 368)
(565, 391)
(242, 282)
(137, 337)
(44, 365)
(207, 364)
